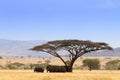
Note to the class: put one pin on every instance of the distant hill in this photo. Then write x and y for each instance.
(18, 48)
(21, 48)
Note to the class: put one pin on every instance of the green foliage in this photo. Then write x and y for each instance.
(34, 65)
(68, 62)
(15, 65)
(113, 65)
(11, 66)
(43, 65)
(92, 64)
(18, 65)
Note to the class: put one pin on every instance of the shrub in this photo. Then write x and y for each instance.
(43, 65)
(92, 64)
(1, 57)
(113, 65)
(15, 65)
(68, 62)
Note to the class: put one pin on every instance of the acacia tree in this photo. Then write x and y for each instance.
(74, 48)
(91, 63)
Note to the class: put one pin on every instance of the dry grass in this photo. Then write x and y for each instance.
(53, 60)
(76, 75)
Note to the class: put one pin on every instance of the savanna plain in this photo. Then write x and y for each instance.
(75, 75)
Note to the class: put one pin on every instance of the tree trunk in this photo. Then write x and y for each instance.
(69, 69)
(70, 66)
(90, 67)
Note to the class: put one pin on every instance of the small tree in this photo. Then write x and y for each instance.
(74, 48)
(1, 57)
(92, 64)
(113, 65)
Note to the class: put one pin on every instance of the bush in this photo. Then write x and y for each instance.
(15, 65)
(113, 65)
(1, 57)
(43, 65)
(92, 64)
(68, 62)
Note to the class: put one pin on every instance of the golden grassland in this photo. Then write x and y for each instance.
(54, 61)
(75, 75)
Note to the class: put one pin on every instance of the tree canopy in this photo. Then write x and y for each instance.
(91, 64)
(75, 48)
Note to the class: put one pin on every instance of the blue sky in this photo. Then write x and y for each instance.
(95, 20)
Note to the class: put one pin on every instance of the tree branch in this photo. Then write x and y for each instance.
(70, 57)
(61, 58)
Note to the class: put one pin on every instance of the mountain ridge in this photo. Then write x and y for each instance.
(21, 48)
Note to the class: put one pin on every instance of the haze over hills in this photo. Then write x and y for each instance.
(18, 48)
(21, 48)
